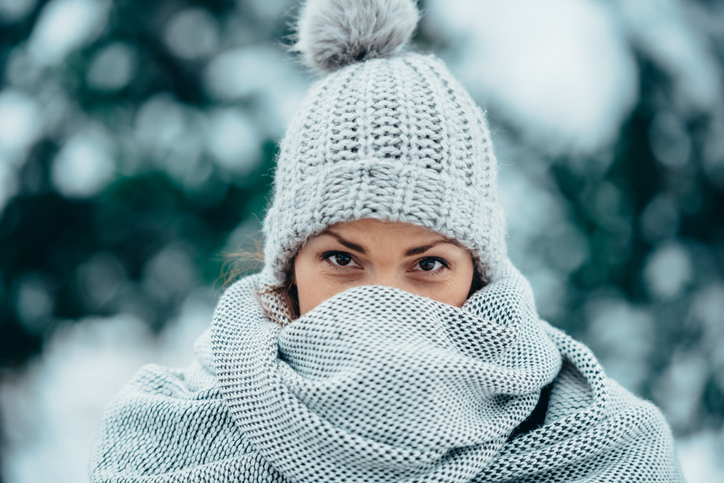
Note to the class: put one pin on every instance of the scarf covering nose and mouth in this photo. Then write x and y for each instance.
(379, 385)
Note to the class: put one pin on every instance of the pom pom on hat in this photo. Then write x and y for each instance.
(332, 34)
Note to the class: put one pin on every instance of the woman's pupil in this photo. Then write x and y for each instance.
(427, 264)
(343, 259)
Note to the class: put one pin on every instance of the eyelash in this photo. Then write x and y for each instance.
(436, 271)
(428, 273)
(327, 255)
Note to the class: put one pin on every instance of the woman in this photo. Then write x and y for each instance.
(388, 338)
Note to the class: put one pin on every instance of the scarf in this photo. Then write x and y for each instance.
(380, 385)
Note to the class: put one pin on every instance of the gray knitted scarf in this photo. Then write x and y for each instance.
(379, 385)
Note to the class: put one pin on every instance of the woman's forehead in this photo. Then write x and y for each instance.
(374, 229)
(359, 234)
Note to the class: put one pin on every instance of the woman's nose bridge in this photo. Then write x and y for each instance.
(387, 276)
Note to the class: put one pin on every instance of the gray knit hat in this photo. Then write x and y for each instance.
(386, 134)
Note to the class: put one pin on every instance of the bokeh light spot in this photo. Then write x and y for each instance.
(112, 68)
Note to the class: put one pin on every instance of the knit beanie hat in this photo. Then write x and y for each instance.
(386, 133)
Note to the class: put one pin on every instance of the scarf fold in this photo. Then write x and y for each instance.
(379, 385)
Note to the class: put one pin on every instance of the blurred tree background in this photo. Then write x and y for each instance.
(137, 145)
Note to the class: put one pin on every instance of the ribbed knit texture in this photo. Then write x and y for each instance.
(395, 139)
(379, 385)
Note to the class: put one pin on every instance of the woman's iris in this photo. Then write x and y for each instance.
(342, 259)
(427, 264)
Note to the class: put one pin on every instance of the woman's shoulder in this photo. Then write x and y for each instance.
(169, 423)
(197, 381)
(595, 426)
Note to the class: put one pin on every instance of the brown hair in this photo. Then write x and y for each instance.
(287, 294)
(250, 259)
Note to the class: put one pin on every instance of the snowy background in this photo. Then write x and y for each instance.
(137, 141)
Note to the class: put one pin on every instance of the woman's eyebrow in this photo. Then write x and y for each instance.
(424, 248)
(347, 243)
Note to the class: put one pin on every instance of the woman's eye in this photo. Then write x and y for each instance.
(341, 259)
(430, 264)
